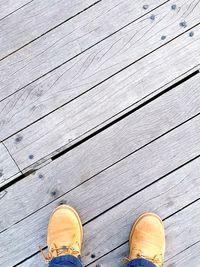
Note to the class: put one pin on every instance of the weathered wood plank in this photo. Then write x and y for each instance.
(69, 39)
(35, 19)
(101, 151)
(8, 168)
(189, 257)
(96, 65)
(172, 193)
(9, 6)
(77, 119)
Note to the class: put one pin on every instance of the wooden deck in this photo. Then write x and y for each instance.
(100, 109)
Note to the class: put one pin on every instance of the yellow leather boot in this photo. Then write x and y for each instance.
(65, 233)
(147, 239)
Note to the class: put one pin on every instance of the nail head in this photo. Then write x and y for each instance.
(173, 7)
(31, 156)
(191, 34)
(145, 7)
(163, 37)
(18, 138)
(183, 24)
(41, 176)
(152, 17)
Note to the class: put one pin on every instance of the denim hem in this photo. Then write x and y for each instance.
(140, 263)
(65, 261)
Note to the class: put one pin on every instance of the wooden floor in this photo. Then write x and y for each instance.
(100, 109)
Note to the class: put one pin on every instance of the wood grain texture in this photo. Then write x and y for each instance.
(68, 40)
(102, 151)
(7, 7)
(189, 257)
(97, 64)
(112, 228)
(35, 19)
(79, 117)
(8, 168)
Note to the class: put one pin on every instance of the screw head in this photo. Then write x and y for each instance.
(145, 7)
(173, 7)
(18, 139)
(41, 176)
(183, 24)
(31, 156)
(191, 34)
(152, 17)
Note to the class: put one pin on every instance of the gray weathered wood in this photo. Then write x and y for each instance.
(97, 64)
(8, 168)
(69, 39)
(112, 228)
(9, 6)
(101, 151)
(82, 115)
(34, 19)
(189, 257)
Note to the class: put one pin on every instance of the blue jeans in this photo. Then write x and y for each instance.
(70, 261)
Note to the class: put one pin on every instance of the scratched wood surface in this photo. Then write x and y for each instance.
(103, 150)
(68, 40)
(99, 108)
(7, 7)
(96, 65)
(34, 19)
(104, 102)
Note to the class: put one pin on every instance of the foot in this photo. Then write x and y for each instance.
(147, 239)
(65, 233)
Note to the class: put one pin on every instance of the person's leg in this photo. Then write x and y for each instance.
(64, 238)
(147, 242)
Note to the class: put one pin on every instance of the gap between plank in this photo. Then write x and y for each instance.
(94, 85)
(127, 114)
(22, 176)
(126, 25)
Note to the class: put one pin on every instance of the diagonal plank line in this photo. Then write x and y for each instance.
(16, 10)
(81, 51)
(105, 127)
(50, 29)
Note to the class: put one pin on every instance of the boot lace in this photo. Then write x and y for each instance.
(59, 251)
(156, 259)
